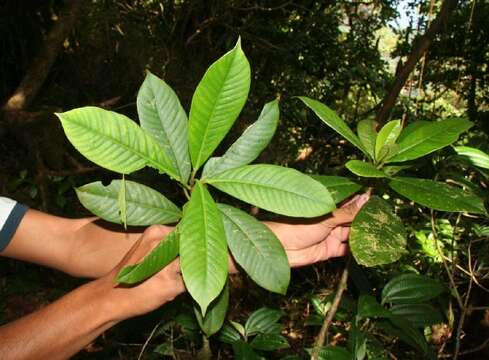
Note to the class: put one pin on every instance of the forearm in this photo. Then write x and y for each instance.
(60, 329)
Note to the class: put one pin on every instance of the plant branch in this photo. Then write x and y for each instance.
(331, 313)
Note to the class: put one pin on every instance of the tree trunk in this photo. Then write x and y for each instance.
(419, 49)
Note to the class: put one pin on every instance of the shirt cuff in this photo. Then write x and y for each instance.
(11, 223)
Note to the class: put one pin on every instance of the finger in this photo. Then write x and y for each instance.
(346, 213)
(337, 242)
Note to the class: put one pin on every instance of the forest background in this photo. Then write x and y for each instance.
(407, 60)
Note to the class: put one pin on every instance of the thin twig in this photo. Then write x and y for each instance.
(461, 322)
(331, 313)
(148, 340)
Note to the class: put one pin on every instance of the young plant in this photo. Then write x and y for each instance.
(377, 234)
(173, 145)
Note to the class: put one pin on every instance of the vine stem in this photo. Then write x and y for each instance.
(331, 313)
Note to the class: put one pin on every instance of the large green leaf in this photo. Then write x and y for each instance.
(113, 141)
(387, 136)
(217, 102)
(419, 315)
(275, 188)
(243, 351)
(400, 327)
(249, 145)
(411, 289)
(339, 187)
(364, 169)
(368, 307)
(144, 206)
(429, 137)
(162, 116)
(228, 334)
(163, 254)
(203, 251)
(216, 313)
(474, 156)
(377, 235)
(264, 320)
(366, 130)
(437, 195)
(269, 342)
(256, 249)
(333, 353)
(330, 118)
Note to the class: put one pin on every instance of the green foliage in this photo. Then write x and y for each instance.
(411, 289)
(212, 322)
(365, 169)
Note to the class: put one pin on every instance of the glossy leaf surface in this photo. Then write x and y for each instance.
(144, 206)
(377, 235)
(330, 118)
(387, 136)
(256, 249)
(364, 169)
(164, 119)
(212, 322)
(274, 188)
(474, 156)
(203, 250)
(217, 102)
(367, 133)
(437, 195)
(163, 254)
(249, 145)
(411, 289)
(113, 141)
(339, 187)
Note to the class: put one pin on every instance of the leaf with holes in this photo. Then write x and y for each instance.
(275, 188)
(163, 254)
(437, 195)
(164, 119)
(203, 251)
(113, 141)
(217, 102)
(144, 206)
(256, 249)
(377, 235)
(249, 145)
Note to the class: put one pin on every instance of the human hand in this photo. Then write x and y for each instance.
(150, 294)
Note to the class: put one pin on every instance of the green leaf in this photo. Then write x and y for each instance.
(366, 130)
(249, 145)
(256, 249)
(339, 187)
(398, 326)
(243, 351)
(474, 156)
(364, 169)
(163, 254)
(357, 343)
(387, 136)
(330, 118)
(164, 119)
(275, 188)
(113, 141)
(144, 206)
(269, 342)
(437, 195)
(216, 313)
(203, 251)
(377, 235)
(263, 320)
(368, 307)
(121, 199)
(333, 353)
(217, 102)
(411, 289)
(419, 315)
(228, 334)
(429, 137)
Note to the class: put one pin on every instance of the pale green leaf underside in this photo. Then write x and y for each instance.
(217, 102)
(330, 118)
(249, 145)
(256, 249)
(437, 195)
(163, 254)
(364, 169)
(377, 235)
(277, 189)
(213, 320)
(203, 250)
(387, 136)
(366, 130)
(475, 156)
(113, 141)
(144, 206)
(162, 116)
(427, 137)
(339, 187)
